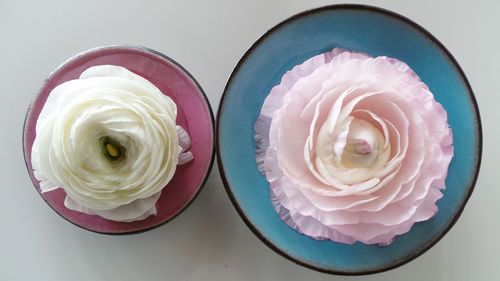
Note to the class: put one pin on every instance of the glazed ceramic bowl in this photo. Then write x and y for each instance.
(358, 28)
(194, 114)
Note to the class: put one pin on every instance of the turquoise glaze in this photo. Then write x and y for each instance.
(357, 28)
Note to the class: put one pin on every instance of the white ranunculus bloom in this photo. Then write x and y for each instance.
(110, 140)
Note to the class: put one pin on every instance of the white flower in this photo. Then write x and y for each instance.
(110, 140)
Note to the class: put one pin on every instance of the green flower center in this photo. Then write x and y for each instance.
(112, 149)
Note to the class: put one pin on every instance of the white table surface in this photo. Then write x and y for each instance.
(209, 241)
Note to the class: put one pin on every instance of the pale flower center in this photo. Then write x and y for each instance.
(364, 146)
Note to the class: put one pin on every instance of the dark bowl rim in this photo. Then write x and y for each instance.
(137, 48)
(449, 56)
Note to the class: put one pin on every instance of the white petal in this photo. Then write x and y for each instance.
(185, 157)
(136, 210)
(184, 139)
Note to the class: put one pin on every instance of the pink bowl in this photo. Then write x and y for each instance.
(194, 114)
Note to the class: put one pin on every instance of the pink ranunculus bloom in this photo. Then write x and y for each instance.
(354, 148)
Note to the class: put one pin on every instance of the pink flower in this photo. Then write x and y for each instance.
(354, 148)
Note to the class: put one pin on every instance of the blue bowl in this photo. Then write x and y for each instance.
(353, 27)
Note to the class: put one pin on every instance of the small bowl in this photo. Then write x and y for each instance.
(194, 114)
(359, 28)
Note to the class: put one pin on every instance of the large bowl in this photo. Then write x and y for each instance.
(194, 114)
(353, 27)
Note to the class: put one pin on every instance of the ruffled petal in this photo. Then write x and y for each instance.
(136, 210)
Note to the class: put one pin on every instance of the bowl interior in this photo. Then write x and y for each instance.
(357, 28)
(194, 114)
